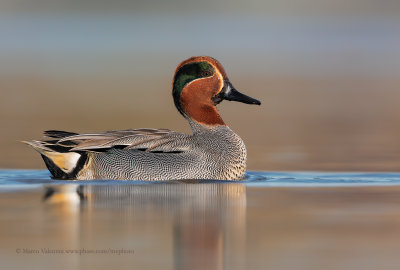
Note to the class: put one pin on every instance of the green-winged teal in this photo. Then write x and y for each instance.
(213, 151)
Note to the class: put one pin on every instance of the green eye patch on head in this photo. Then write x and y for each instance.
(185, 75)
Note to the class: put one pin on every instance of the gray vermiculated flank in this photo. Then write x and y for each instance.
(210, 153)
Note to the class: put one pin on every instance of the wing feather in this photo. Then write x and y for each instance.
(151, 140)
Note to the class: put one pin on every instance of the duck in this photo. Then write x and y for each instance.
(213, 151)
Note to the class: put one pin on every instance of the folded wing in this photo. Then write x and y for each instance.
(150, 140)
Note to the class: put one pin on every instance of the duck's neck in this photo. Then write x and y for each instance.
(200, 127)
(204, 114)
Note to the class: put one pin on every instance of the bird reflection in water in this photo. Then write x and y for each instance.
(185, 224)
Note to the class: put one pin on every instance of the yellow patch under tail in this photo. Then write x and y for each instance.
(65, 161)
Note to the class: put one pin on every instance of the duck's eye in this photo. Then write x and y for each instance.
(207, 73)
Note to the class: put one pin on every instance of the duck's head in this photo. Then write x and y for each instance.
(199, 84)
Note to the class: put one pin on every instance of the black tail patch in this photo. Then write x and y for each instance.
(57, 173)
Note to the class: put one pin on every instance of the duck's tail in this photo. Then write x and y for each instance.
(62, 163)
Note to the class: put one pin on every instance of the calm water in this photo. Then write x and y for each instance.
(272, 220)
(18, 179)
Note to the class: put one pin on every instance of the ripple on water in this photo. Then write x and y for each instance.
(321, 179)
(23, 179)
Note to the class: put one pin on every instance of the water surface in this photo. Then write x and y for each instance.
(272, 220)
(14, 179)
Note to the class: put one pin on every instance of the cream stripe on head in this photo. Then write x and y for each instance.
(220, 76)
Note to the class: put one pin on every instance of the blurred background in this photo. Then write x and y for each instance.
(327, 73)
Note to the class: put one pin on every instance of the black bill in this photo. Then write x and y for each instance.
(232, 94)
